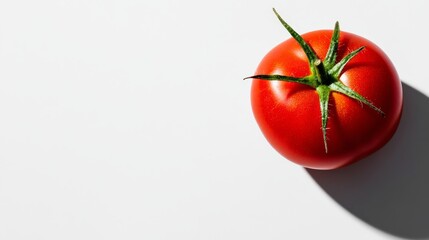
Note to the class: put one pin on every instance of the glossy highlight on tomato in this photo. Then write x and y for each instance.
(319, 110)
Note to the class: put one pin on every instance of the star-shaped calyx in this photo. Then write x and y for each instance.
(324, 76)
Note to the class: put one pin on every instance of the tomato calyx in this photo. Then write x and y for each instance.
(324, 75)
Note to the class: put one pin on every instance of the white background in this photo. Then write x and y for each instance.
(128, 119)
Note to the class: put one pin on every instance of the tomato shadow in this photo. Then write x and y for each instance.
(389, 190)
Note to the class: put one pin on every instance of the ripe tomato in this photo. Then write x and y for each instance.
(323, 101)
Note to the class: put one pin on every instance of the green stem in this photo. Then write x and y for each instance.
(320, 72)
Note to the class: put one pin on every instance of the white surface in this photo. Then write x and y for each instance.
(128, 119)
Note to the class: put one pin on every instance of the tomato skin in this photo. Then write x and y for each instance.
(289, 116)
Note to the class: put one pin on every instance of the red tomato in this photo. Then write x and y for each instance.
(290, 113)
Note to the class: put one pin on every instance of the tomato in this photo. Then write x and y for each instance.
(327, 98)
